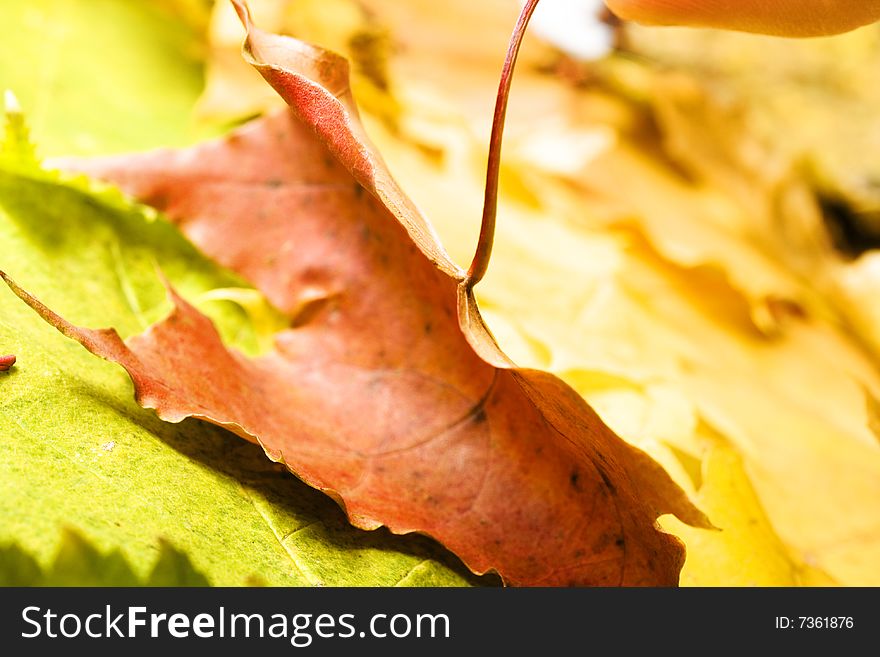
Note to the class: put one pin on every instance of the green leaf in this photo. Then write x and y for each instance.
(18, 568)
(101, 75)
(78, 563)
(76, 450)
(173, 568)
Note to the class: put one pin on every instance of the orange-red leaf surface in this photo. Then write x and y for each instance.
(781, 17)
(387, 392)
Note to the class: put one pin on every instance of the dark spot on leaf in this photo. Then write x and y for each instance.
(358, 191)
(428, 328)
(620, 542)
(606, 480)
(479, 416)
(573, 479)
(274, 182)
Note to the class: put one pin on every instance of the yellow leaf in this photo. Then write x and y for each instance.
(745, 551)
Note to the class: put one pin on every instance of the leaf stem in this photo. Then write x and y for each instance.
(480, 263)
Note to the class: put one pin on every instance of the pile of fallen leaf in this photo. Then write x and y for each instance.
(682, 241)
